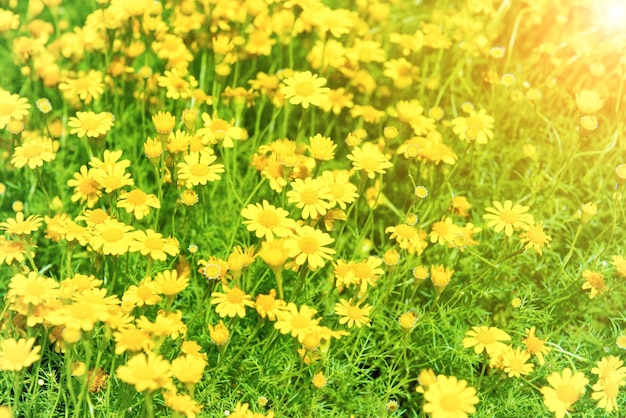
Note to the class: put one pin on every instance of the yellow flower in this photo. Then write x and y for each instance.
(153, 245)
(311, 195)
(448, 397)
(181, 403)
(353, 314)
(407, 321)
(620, 263)
(188, 369)
(267, 221)
(508, 217)
(85, 86)
(170, 283)
(297, 322)
(594, 281)
(86, 188)
(485, 338)
(267, 306)
(219, 333)
(319, 381)
(308, 245)
(133, 340)
(305, 88)
(34, 153)
(198, 168)
(535, 238)
(232, 302)
(408, 237)
(146, 293)
(475, 127)
(146, 372)
(514, 362)
(91, 124)
(589, 101)
(12, 106)
(370, 159)
(605, 391)
(164, 123)
(564, 390)
(111, 237)
(137, 202)
(610, 368)
(178, 84)
(322, 148)
(16, 355)
(587, 211)
(21, 226)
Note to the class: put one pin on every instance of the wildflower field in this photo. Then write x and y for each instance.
(312, 208)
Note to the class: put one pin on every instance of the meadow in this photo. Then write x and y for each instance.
(308, 208)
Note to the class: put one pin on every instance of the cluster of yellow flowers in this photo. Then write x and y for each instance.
(323, 166)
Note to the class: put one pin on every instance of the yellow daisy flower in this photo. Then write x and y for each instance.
(508, 217)
(16, 355)
(137, 202)
(111, 237)
(485, 338)
(12, 106)
(310, 195)
(21, 226)
(86, 188)
(267, 221)
(147, 372)
(353, 314)
(232, 302)
(449, 397)
(153, 245)
(198, 168)
(308, 245)
(90, 124)
(297, 322)
(475, 127)
(564, 390)
(34, 153)
(369, 159)
(305, 88)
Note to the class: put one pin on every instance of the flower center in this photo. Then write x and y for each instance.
(90, 124)
(113, 234)
(199, 170)
(153, 243)
(136, 197)
(88, 186)
(309, 196)
(299, 321)
(405, 231)
(235, 296)
(516, 365)
(304, 89)
(7, 108)
(369, 163)
(81, 311)
(567, 394)
(82, 84)
(268, 219)
(32, 150)
(144, 292)
(353, 312)
(35, 289)
(486, 337)
(508, 216)
(308, 245)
